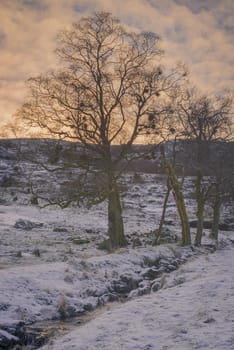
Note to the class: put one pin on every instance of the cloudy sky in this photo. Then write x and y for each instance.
(199, 33)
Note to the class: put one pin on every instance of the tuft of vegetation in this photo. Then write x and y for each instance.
(34, 200)
(80, 241)
(36, 252)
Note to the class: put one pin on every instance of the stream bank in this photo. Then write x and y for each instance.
(148, 277)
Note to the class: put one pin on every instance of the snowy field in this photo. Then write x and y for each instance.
(195, 313)
(57, 287)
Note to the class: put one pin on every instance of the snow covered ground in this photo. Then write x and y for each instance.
(51, 269)
(197, 312)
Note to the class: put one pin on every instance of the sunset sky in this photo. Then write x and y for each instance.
(199, 33)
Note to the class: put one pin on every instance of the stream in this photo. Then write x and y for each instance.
(39, 333)
(36, 335)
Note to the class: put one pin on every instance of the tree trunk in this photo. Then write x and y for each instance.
(216, 214)
(159, 230)
(115, 220)
(200, 219)
(179, 199)
(200, 209)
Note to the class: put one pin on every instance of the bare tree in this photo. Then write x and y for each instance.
(167, 132)
(203, 119)
(109, 82)
(175, 186)
(222, 183)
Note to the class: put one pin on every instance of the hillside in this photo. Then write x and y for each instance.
(59, 288)
(53, 151)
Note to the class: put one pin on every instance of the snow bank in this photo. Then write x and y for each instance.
(196, 313)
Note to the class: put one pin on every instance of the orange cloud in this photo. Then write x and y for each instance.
(197, 35)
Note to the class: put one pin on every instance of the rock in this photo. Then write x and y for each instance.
(68, 279)
(209, 320)
(152, 272)
(11, 334)
(133, 294)
(4, 307)
(89, 230)
(66, 310)
(89, 306)
(108, 297)
(126, 283)
(17, 328)
(210, 247)
(120, 287)
(156, 286)
(112, 297)
(175, 262)
(229, 220)
(136, 242)
(168, 265)
(7, 340)
(164, 262)
(144, 289)
(95, 292)
(170, 268)
(149, 261)
(132, 280)
(27, 225)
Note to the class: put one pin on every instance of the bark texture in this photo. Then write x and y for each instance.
(115, 219)
(179, 199)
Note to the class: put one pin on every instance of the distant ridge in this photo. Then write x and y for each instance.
(53, 150)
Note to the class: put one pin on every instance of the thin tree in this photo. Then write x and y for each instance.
(168, 132)
(175, 186)
(222, 189)
(186, 239)
(109, 82)
(203, 119)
